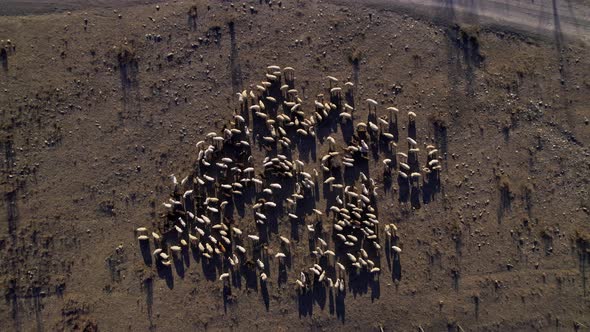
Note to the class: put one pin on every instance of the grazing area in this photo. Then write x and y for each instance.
(291, 165)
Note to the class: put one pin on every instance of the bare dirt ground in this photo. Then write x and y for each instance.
(101, 104)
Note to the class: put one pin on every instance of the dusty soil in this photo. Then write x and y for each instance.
(95, 116)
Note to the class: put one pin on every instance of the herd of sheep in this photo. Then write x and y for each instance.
(229, 209)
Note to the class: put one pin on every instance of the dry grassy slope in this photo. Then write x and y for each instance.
(74, 133)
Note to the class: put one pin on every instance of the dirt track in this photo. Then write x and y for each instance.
(556, 19)
(89, 148)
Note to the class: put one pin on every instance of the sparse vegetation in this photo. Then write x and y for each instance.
(90, 134)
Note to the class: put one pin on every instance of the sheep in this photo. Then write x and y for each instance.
(372, 102)
(344, 117)
(315, 271)
(289, 74)
(392, 110)
(432, 153)
(331, 143)
(285, 240)
(336, 92)
(299, 284)
(341, 288)
(273, 68)
(302, 132)
(260, 264)
(236, 231)
(373, 127)
(222, 174)
(332, 80)
(352, 238)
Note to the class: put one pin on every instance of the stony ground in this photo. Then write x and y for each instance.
(90, 138)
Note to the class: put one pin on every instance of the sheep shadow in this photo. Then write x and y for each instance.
(319, 294)
(415, 196)
(294, 229)
(283, 273)
(394, 128)
(412, 130)
(307, 148)
(305, 303)
(430, 187)
(404, 189)
(347, 129)
(360, 282)
(328, 126)
(209, 267)
(165, 272)
(145, 252)
(178, 265)
(265, 295)
(248, 270)
(396, 271)
(341, 306)
(4, 59)
(227, 297)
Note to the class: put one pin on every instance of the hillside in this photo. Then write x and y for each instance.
(99, 106)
